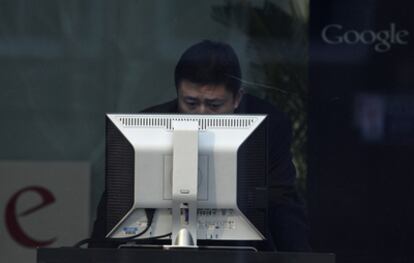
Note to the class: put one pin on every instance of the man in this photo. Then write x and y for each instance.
(208, 81)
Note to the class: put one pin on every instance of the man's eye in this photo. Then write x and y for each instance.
(215, 106)
(191, 104)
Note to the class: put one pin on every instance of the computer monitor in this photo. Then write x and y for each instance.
(154, 160)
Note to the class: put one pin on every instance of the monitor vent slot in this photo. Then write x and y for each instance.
(204, 122)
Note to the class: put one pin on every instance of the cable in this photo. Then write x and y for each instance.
(83, 242)
(150, 216)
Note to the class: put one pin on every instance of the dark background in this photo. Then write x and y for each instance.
(361, 185)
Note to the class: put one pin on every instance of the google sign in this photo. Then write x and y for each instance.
(381, 40)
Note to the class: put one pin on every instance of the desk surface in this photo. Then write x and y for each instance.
(129, 255)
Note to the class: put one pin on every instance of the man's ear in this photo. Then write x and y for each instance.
(238, 98)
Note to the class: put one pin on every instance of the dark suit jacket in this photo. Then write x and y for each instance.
(287, 221)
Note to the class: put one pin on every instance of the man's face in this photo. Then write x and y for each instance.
(206, 99)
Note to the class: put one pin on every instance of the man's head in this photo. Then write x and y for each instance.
(207, 79)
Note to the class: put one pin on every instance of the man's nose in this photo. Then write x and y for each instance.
(202, 109)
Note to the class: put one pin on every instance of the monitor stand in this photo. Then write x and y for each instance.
(184, 184)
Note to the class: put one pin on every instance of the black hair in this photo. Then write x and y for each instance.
(209, 63)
